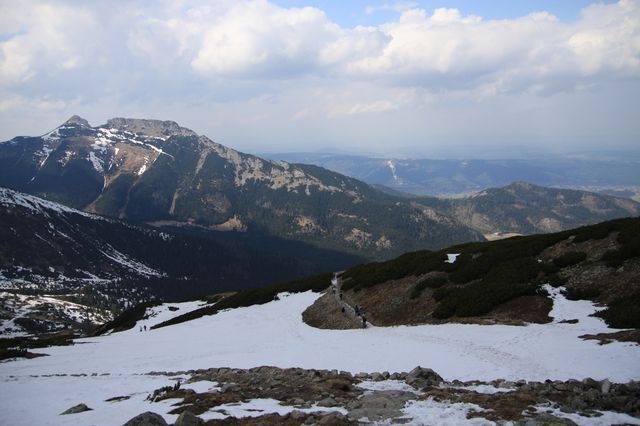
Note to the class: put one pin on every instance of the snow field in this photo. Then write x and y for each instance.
(273, 334)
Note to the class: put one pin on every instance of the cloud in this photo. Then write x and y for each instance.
(399, 6)
(259, 39)
(168, 57)
(363, 108)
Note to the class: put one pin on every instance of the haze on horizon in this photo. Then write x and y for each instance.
(414, 78)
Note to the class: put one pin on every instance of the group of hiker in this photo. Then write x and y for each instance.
(356, 309)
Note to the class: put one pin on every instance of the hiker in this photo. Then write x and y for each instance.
(364, 322)
(140, 329)
(357, 310)
(145, 328)
(340, 295)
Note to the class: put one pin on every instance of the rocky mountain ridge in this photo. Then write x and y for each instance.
(158, 172)
(527, 209)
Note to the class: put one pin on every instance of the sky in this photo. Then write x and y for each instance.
(379, 77)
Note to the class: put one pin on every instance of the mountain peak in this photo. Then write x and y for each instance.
(77, 120)
(157, 128)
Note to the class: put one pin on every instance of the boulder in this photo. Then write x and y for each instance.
(76, 409)
(187, 418)
(147, 419)
(333, 418)
(327, 402)
(421, 378)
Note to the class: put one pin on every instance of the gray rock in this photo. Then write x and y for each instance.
(421, 378)
(333, 418)
(380, 405)
(187, 418)
(76, 409)
(297, 415)
(147, 419)
(327, 402)
(230, 387)
(605, 386)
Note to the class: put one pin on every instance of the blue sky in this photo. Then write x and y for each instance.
(370, 12)
(412, 78)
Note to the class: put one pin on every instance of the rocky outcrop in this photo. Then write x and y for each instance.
(147, 419)
(341, 398)
(80, 408)
(421, 378)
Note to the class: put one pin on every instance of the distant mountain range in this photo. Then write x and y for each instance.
(158, 173)
(448, 177)
(524, 208)
(149, 171)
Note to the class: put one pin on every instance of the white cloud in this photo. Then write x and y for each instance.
(168, 57)
(260, 39)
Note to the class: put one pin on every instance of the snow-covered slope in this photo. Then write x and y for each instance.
(100, 368)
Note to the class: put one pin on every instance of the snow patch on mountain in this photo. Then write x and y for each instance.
(135, 266)
(9, 197)
(96, 162)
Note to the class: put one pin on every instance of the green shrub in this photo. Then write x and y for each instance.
(441, 293)
(629, 249)
(414, 263)
(594, 232)
(555, 280)
(589, 293)
(431, 282)
(623, 312)
(569, 259)
(12, 353)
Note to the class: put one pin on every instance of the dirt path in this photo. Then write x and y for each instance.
(348, 308)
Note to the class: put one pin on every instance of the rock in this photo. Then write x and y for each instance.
(327, 402)
(605, 386)
(297, 415)
(380, 405)
(147, 419)
(421, 378)
(187, 418)
(333, 418)
(591, 383)
(76, 409)
(230, 387)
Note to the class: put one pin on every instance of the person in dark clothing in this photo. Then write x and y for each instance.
(145, 328)
(364, 322)
(356, 309)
